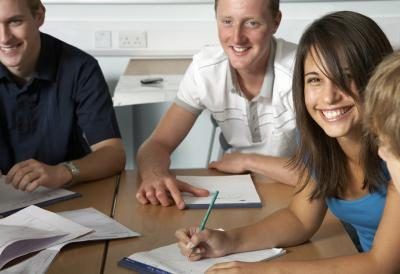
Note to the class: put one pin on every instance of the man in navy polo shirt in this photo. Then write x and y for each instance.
(57, 125)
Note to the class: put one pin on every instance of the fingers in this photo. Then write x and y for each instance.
(196, 191)
(193, 251)
(223, 267)
(24, 176)
(158, 192)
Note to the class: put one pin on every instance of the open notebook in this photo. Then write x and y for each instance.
(168, 259)
(11, 199)
(234, 191)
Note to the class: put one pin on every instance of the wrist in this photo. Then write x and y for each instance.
(72, 173)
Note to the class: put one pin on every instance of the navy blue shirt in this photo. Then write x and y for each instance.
(63, 110)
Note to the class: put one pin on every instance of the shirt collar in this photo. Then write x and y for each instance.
(4, 73)
(46, 68)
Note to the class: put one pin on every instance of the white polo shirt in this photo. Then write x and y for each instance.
(266, 124)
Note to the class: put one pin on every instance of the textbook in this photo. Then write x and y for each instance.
(234, 191)
(168, 259)
(11, 199)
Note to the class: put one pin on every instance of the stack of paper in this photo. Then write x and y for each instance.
(12, 199)
(33, 229)
(168, 259)
(97, 225)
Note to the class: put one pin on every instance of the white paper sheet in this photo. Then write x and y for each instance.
(169, 258)
(104, 228)
(12, 199)
(234, 191)
(35, 219)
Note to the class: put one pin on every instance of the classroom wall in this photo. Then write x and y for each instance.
(176, 30)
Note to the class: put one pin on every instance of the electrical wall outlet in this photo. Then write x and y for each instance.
(103, 39)
(132, 39)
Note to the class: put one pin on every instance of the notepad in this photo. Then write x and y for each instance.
(11, 199)
(234, 191)
(168, 259)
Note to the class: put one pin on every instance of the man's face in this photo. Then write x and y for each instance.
(245, 29)
(19, 36)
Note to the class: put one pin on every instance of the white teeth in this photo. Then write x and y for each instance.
(239, 49)
(8, 48)
(334, 114)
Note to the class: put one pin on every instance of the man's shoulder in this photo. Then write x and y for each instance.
(285, 55)
(65, 50)
(210, 56)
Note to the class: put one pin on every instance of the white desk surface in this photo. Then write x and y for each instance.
(129, 90)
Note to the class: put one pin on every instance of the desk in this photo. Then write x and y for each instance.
(85, 257)
(158, 224)
(129, 91)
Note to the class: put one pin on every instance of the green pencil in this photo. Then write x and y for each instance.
(204, 221)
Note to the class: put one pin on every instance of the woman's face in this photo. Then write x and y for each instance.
(331, 108)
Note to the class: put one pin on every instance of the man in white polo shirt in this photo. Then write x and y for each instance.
(246, 85)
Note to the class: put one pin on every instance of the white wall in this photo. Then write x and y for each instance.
(179, 30)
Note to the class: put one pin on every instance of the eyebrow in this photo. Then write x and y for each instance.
(15, 17)
(311, 73)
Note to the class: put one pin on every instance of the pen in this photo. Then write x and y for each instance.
(204, 221)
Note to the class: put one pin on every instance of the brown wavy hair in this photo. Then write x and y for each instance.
(348, 40)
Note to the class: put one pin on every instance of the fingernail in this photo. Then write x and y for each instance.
(190, 245)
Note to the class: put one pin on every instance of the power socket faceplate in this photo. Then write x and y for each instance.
(132, 39)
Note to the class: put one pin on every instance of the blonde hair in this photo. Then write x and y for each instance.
(382, 102)
(273, 6)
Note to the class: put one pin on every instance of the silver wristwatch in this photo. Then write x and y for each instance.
(74, 172)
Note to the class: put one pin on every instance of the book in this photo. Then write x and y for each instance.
(234, 191)
(12, 200)
(168, 259)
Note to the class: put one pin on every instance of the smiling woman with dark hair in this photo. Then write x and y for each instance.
(339, 167)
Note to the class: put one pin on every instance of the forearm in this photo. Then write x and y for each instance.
(281, 229)
(105, 161)
(153, 159)
(360, 263)
(273, 167)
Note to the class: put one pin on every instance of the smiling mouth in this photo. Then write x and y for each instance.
(335, 114)
(239, 49)
(9, 49)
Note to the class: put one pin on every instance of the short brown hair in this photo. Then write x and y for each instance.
(382, 102)
(34, 5)
(273, 6)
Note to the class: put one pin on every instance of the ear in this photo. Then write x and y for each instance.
(40, 15)
(277, 20)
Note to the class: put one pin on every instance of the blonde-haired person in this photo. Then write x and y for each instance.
(245, 83)
(57, 122)
(382, 112)
(340, 170)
